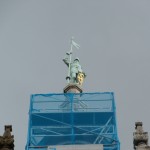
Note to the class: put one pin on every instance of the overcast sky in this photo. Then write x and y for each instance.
(114, 36)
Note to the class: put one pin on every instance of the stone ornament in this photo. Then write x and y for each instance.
(7, 140)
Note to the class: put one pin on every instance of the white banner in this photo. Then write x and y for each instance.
(77, 147)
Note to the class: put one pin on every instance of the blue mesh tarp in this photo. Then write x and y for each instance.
(72, 102)
(64, 119)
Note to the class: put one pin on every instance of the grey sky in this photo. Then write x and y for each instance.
(115, 54)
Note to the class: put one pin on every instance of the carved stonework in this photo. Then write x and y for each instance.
(140, 138)
(72, 88)
(7, 140)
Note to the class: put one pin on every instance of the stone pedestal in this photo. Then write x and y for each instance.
(73, 88)
(72, 101)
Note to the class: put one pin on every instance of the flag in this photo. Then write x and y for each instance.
(75, 44)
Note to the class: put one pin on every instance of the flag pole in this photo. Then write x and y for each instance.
(70, 53)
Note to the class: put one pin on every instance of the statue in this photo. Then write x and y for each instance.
(75, 73)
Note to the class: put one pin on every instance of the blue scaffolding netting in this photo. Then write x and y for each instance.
(69, 119)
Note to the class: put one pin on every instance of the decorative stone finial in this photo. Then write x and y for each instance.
(140, 138)
(138, 124)
(7, 140)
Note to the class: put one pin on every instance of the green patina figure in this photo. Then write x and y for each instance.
(75, 73)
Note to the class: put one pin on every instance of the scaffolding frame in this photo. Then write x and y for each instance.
(69, 119)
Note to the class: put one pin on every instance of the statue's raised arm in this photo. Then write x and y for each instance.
(66, 59)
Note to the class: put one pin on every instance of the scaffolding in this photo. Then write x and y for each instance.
(72, 119)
